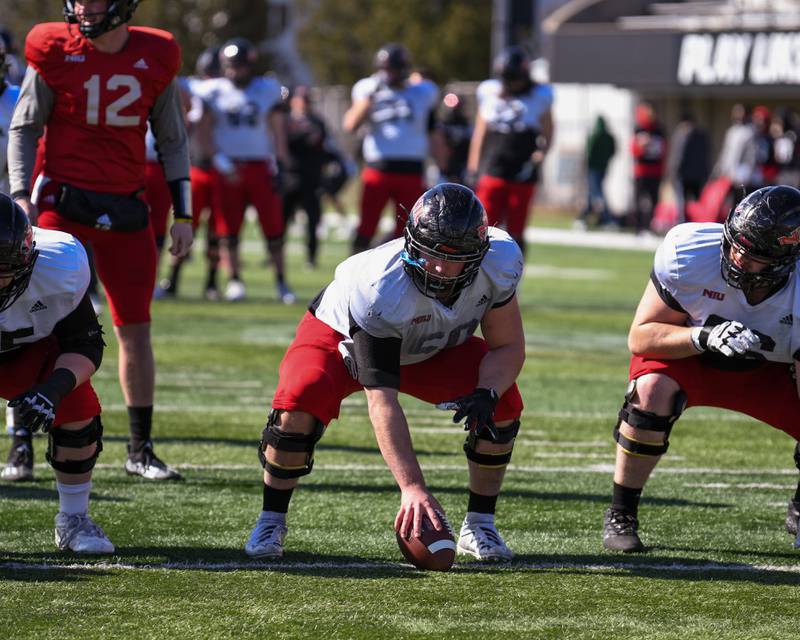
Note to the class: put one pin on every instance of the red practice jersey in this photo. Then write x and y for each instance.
(95, 134)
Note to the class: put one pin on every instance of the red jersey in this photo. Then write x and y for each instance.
(96, 130)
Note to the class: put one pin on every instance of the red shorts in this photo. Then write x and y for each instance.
(767, 393)
(506, 201)
(156, 192)
(32, 365)
(202, 198)
(254, 187)
(314, 379)
(381, 186)
(125, 262)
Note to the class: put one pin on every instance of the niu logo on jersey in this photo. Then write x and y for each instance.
(421, 319)
(714, 295)
(792, 238)
(74, 58)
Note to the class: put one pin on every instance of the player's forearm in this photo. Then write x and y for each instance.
(355, 115)
(169, 129)
(661, 340)
(500, 367)
(394, 439)
(27, 126)
(80, 366)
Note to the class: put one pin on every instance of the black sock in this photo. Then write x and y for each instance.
(276, 499)
(141, 426)
(626, 499)
(211, 278)
(797, 493)
(481, 504)
(174, 274)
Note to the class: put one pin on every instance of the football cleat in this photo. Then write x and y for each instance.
(211, 294)
(20, 463)
(164, 290)
(77, 532)
(266, 538)
(620, 531)
(792, 516)
(483, 541)
(235, 291)
(147, 464)
(285, 294)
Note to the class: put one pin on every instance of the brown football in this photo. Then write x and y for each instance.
(433, 550)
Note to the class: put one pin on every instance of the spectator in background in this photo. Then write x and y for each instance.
(456, 134)
(307, 138)
(787, 153)
(600, 148)
(15, 68)
(649, 149)
(729, 164)
(758, 157)
(689, 162)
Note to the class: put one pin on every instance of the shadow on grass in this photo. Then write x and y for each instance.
(31, 491)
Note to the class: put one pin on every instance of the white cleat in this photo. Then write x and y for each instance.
(266, 538)
(483, 541)
(19, 467)
(235, 291)
(147, 464)
(285, 294)
(77, 532)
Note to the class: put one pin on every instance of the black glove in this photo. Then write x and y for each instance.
(37, 406)
(477, 408)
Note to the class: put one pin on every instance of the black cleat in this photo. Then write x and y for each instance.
(792, 516)
(147, 464)
(19, 467)
(620, 531)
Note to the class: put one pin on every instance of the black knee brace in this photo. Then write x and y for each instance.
(92, 432)
(647, 420)
(504, 436)
(288, 441)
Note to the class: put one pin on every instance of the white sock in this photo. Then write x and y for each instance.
(73, 498)
(274, 516)
(483, 518)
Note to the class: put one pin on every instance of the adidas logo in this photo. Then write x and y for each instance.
(103, 222)
(38, 306)
(484, 299)
(787, 319)
(140, 64)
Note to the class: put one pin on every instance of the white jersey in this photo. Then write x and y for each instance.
(687, 266)
(398, 119)
(58, 283)
(7, 101)
(372, 290)
(240, 116)
(513, 114)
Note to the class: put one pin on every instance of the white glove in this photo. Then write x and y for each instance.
(730, 338)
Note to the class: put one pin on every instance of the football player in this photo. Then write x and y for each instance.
(93, 83)
(399, 116)
(402, 318)
(8, 98)
(51, 345)
(513, 131)
(716, 326)
(249, 138)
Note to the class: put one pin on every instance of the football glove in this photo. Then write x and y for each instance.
(37, 406)
(477, 408)
(730, 338)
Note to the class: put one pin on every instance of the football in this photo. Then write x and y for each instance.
(433, 550)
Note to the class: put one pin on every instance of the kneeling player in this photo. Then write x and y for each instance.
(51, 345)
(401, 318)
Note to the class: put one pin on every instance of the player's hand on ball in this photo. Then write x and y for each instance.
(415, 504)
(730, 338)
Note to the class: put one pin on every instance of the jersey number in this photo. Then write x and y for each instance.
(112, 116)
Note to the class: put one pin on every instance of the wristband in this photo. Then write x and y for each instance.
(181, 192)
(58, 385)
(697, 342)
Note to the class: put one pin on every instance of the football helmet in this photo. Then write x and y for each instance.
(208, 65)
(764, 226)
(392, 63)
(17, 251)
(447, 223)
(237, 58)
(513, 67)
(117, 12)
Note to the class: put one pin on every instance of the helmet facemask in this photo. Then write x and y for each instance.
(770, 277)
(117, 12)
(18, 265)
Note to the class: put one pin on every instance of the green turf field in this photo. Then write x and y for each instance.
(719, 565)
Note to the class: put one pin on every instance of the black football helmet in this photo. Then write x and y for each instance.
(448, 223)
(512, 67)
(117, 12)
(207, 64)
(237, 58)
(393, 63)
(764, 226)
(17, 251)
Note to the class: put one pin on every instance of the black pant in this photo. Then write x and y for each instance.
(646, 194)
(306, 197)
